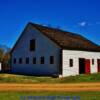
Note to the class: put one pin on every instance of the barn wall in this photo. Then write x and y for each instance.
(75, 55)
(44, 47)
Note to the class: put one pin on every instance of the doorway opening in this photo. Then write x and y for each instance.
(81, 65)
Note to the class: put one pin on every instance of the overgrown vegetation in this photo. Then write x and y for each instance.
(11, 78)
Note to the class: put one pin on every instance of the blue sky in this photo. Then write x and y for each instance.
(79, 16)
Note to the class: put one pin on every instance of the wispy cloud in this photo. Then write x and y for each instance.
(85, 23)
(82, 24)
(97, 23)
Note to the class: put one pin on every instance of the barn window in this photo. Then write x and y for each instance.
(27, 60)
(34, 60)
(42, 60)
(20, 60)
(92, 61)
(51, 59)
(32, 45)
(71, 62)
(14, 60)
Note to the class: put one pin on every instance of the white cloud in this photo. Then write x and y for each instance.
(85, 23)
(98, 22)
(82, 24)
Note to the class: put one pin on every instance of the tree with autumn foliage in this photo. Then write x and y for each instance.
(5, 59)
(1, 55)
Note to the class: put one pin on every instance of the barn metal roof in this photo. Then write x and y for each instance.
(67, 40)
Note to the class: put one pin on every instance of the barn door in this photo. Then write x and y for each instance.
(87, 66)
(98, 64)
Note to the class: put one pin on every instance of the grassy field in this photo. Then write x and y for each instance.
(19, 95)
(11, 78)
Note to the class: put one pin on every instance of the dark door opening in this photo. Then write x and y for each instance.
(60, 63)
(98, 64)
(81, 66)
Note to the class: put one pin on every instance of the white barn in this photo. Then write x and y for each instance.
(41, 50)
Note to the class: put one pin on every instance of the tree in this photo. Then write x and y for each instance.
(6, 61)
(1, 55)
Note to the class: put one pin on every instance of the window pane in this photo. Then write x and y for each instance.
(27, 60)
(32, 45)
(20, 60)
(42, 60)
(34, 60)
(51, 59)
(92, 61)
(14, 60)
(71, 62)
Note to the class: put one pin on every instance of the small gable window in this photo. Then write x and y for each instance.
(51, 59)
(14, 60)
(27, 60)
(34, 60)
(42, 60)
(20, 60)
(32, 45)
(71, 62)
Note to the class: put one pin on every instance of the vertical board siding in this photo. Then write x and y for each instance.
(44, 47)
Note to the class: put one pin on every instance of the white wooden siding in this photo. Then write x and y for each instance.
(75, 55)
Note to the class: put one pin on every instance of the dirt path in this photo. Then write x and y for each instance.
(50, 87)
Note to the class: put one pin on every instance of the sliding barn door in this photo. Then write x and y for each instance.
(87, 66)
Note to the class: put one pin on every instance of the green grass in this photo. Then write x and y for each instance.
(11, 78)
(18, 95)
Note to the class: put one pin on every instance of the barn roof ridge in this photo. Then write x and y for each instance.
(67, 40)
(64, 39)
